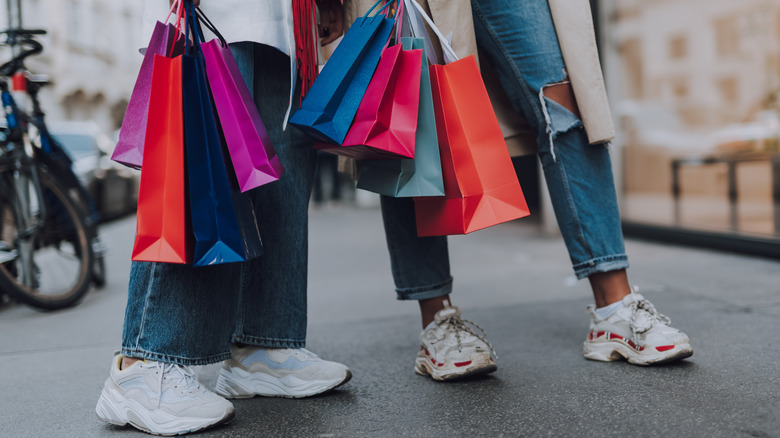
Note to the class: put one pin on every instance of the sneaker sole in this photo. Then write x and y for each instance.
(114, 408)
(611, 351)
(237, 384)
(481, 366)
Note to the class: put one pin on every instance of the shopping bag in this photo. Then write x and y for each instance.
(162, 228)
(130, 146)
(480, 184)
(251, 152)
(329, 107)
(422, 175)
(219, 235)
(386, 120)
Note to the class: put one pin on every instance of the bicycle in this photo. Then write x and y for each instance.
(50, 251)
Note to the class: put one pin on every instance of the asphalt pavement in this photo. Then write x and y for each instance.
(511, 280)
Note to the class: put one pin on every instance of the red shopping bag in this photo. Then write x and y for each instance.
(163, 233)
(480, 184)
(385, 125)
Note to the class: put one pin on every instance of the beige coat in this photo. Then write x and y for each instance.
(578, 45)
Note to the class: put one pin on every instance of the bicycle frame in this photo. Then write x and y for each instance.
(16, 154)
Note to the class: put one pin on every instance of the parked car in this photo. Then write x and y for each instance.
(113, 186)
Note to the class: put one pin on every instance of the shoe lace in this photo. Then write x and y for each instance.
(179, 375)
(458, 325)
(644, 316)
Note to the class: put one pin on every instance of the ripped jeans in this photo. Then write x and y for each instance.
(518, 39)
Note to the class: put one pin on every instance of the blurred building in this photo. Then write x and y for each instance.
(90, 53)
(695, 86)
(712, 61)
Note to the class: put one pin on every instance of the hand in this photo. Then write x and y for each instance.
(197, 3)
(331, 23)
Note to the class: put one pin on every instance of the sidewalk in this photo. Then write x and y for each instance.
(511, 281)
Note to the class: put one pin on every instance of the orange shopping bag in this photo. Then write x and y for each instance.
(163, 232)
(480, 184)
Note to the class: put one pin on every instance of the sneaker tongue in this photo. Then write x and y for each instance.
(446, 313)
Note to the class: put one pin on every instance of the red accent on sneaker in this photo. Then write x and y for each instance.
(462, 364)
(631, 343)
(664, 347)
(600, 334)
(615, 336)
(590, 335)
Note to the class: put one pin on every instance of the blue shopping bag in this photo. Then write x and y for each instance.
(420, 176)
(222, 218)
(327, 111)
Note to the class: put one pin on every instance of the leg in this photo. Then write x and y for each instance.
(270, 327)
(450, 347)
(272, 306)
(420, 265)
(520, 41)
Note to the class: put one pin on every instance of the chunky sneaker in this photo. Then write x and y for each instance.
(451, 349)
(159, 398)
(276, 372)
(636, 332)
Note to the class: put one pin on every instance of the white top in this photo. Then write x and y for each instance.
(268, 22)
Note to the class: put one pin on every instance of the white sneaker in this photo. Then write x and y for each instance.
(159, 398)
(276, 372)
(451, 349)
(636, 332)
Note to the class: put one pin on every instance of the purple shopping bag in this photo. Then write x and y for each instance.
(253, 156)
(130, 147)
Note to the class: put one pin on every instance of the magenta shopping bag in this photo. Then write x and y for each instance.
(130, 147)
(253, 156)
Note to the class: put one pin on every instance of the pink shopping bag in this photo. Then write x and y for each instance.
(385, 125)
(251, 152)
(129, 149)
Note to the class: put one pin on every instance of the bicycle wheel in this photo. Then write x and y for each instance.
(47, 260)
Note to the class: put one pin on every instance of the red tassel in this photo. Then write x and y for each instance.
(306, 41)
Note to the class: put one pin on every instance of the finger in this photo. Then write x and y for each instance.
(329, 39)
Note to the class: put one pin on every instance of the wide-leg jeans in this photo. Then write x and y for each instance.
(189, 316)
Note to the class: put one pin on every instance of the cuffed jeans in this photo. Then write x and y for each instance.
(519, 40)
(189, 316)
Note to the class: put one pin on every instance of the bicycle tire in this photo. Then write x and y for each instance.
(64, 231)
(61, 170)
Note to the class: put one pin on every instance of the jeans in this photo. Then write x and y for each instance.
(189, 316)
(518, 39)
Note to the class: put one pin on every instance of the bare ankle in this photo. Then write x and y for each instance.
(429, 308)
(128, 362)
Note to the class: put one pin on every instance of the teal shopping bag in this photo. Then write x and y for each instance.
(327, 111)
(420, 176)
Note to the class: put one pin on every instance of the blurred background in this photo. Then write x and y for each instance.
(695, 88)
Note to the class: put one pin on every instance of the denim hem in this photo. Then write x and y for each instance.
(601, 264)
(178, 360)
(425, 292)
(269, 342)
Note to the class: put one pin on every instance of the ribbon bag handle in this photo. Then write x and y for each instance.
(202, 18)
(380, 11)
(415, 13)
(399, 21)
(179, 5)
(174, 7)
